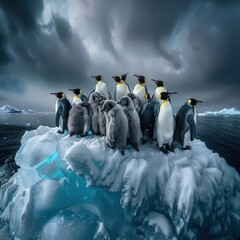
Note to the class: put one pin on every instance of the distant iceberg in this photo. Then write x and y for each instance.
(9, 109)
(225, 111)
(78, 188)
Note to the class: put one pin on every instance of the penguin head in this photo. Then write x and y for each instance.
(98, 77)
(141, 78)
(117, 79)
(76, 91)
(158, 82)
(165, 95)
(125, 101)
(193, 102)
(131, 95)
(124, 76)
(59, 95)
(108, 105)
(95, 97)
(85, 105)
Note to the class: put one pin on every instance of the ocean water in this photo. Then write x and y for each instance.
(220, 133)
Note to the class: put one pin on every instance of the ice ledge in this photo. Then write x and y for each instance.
(193, 194)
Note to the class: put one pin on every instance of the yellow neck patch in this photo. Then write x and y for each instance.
(189, 101)
(120, 83)
(140, 84)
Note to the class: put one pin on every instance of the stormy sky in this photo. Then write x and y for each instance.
(52, 45)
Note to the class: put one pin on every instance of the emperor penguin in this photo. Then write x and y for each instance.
(78, 97)
(133, 121)
(76, 123)
(116, 125)
(122, 89)
(101, 86)
(160, 88)
(165, 124)
(88, 113)
(140, 90)
(62, 109)
(136, 101)
(186, 118)
(147, 119)
(94, 101)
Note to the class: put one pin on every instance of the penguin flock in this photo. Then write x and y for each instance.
(130, 117)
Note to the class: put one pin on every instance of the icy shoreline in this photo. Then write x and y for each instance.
(192, 194)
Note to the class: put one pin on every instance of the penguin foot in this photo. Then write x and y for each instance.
(71, 134)
(122, 152)
(110, 146)
(165, 151)
(60, 132)
(187, 148)
(170, 148)
(135, 146)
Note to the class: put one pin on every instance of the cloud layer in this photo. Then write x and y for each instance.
(55, 45)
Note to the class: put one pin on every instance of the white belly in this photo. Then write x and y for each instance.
(165, 125)
(121, 90)
(140, 92)
(101, 88)
(76, 100)
(157, 92)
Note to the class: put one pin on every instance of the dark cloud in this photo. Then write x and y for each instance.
(192, 45)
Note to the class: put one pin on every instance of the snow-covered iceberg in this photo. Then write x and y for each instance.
(78, 188)
(9, 109)
(225, 111)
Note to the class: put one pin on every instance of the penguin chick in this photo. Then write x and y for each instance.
(136, 101)
(147, 119)
(185, 130)
(76, 122)
(116, 125)
(79, 97)
(88, 113)
(133, 121)
(94, 101)
(165, 123)
(62, 109)
(140, 90)
(122, 89)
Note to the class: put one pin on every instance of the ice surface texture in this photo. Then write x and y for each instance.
(78, 188)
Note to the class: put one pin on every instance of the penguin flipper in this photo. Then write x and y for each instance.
(110, 96)
(84, 98)
(192, 126)
(91, 93)
(112, 127)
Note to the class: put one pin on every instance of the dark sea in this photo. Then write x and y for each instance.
(220, 133)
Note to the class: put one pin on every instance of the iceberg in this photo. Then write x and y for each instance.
(225, 111)
(78, 188)
(9, 109)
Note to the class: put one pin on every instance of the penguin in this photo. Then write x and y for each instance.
(116, 125)
(101, 87)
(160, 88)
(133, 121)
(94, 101)
(76, 121)
(123, 78)
(102, 118)
(165, 123)
(140, 90)
(186, 118)
(62, 109)
(147, 119)
(79, 97)
(122, 89)
(136, 101)
(88, 113)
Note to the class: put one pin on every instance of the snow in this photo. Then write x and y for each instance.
(78, 188)
(225, 111)
(9, 109)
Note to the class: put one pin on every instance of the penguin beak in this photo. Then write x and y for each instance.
(171, 93)
(55, 94)
(93, 77)
(154, 80)
(135, 75)
(71, 89)
(199, 101)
